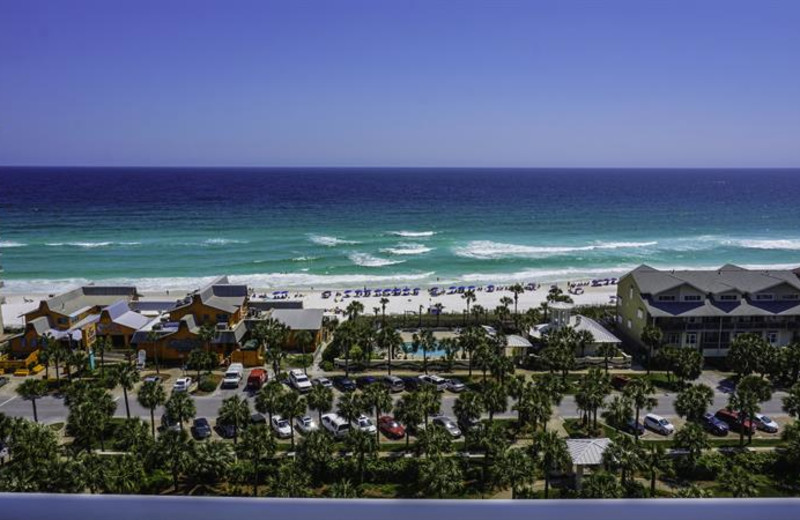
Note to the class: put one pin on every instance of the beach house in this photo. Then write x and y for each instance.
(707, 309)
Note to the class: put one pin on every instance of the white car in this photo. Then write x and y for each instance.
(455, 385)
(658, 424)
(766, 423)
(182, 384)
(322, 381)
(336, 425)
(448, 424)
(299, 380)
(282, 427)
(439, 383)
(305, 424)
(364, 424)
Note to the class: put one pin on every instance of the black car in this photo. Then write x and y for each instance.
(411, 383)
(469, 425)
(201, 429)
(344, 384)
(365, 381)
(714, 425)
(3, 381)
(258, 418)
(226, 431)
(634, 428)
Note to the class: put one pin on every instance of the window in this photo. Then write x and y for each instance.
(693, 319)
(630, 325)
(222, 318)
(639, 313)
(630, 293)
(691, 338)
(667, 298)
(691, 298)
(765, 297)
(673, 338)
(772, 337)
(728, 297)
(792, 296)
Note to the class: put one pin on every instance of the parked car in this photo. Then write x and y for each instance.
(393, 383)
(731, 418)
(169, 424)
(364, 424)
(633, 427)
(336, 425)
(715, 425)
(658, 424)
(201, 429)
(455, 385)
(344, 384)
(299, 380)
(305, 424)
(411, 383)
(257, 378)
(766, 423)
(233, 376)
(620, 382)
(226, 431)
(390, 427)
(448, 424)
(182, 384)
(148, 379)
(437, 382)
(282, 427)
(322, 381)
(365, 381)
(258, 418)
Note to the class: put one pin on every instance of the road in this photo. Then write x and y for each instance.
(51, 409)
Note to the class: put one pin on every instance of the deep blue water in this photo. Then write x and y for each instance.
(314, 227)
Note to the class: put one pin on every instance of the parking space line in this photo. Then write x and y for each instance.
(8, 401)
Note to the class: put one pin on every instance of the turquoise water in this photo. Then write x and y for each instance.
(166, 229)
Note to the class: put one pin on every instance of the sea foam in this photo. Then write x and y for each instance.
(368, 260)
(11, 243)
(488, 250)
(330, 241)
(407, 249)
(413, 234)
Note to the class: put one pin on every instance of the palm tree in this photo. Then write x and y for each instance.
(626, 455)
(534, 406)
(377, 397)
(431, 401)
(439, 308)
(303, 338)
(383, 302)
(656, 462)
(152, 394)
(618, 412)
(584, 338)
(652, 337)
(291, 481)
(468, 297)
(175, 450)
(441, 476)
(738, 482)
(292, 405)
(344, 489)
(389, 339)
(32, 389)
(268, 398)
(601, 485)
(607, 351)
(694, 440)
(316, 453)
(354, 308)
(363, 445)
(468, 408)
(320, 398)
(426, 342)
(495, 398)
(593, 388)
(101, 345)
(517, 469)
(517, 289)
(693, 401)
(552, 454)
(56, 352)
(235, 412)
(180, 407)
(134, 437)
(94, 471)
(750, 392)
(77, 359)
(410, 411)
(640, 393)
(152, 337)
(210, 463)
(207, 334)
(126, 376)
(258, 446)
(791, 403)
(350, 406)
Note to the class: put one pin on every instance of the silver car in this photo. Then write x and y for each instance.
(448, 424)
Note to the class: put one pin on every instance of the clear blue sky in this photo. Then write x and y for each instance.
(400, 83)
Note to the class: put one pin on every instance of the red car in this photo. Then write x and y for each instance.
(258, 376)
(731, 418)
(391, 428)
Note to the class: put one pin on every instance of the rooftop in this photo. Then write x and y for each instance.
(727, 278)
(587, 452)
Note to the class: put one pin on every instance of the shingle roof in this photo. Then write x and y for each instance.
(711, 308)
(727, 278)
(514, 340)
(587, 452)
(599, 333)
(299, 319)
(221, 295)
(89, 296)
(122, 314)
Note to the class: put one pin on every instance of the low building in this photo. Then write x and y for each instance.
(707, 309)
(562, 315)
(65, 310)
(309, 320)
(586, 455)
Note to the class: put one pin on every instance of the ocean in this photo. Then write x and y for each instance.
(280, 228)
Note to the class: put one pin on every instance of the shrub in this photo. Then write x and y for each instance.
(207, 384)
(327, 366)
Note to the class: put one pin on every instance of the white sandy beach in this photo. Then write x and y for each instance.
(16, 305)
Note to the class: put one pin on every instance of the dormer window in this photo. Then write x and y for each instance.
(763, 297)
(667, 298)
(691, 298)
(791, 296)
(728, 297)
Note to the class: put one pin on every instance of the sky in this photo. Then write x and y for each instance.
(561, 83)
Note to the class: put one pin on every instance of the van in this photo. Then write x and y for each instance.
(233, 376)
(257, 378)
(393, 383)
(336, 425)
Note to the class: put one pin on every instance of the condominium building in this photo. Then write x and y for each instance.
(707, 309)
